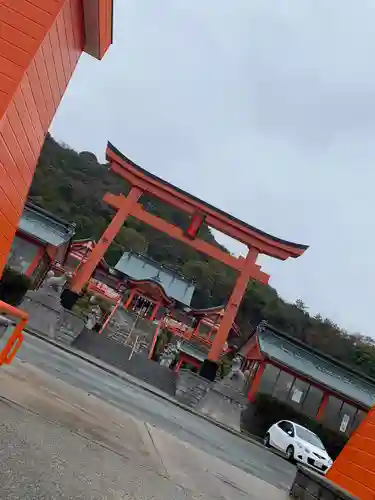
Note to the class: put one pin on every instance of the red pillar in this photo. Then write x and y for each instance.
(85, 271)
(130, 298)
(110, 315)
(155, 338)
(34, 264)
(322, 407)
(256, 383)
(154, 311)
(233, 305)
(177, 368)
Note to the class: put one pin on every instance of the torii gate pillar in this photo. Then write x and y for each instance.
(209, 366)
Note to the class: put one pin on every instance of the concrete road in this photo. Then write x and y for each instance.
(60, 442)
(158, 412)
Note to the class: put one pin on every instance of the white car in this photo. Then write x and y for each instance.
(299, 444)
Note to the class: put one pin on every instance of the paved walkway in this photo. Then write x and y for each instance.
(59, 442)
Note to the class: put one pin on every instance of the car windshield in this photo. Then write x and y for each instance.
(309, 437)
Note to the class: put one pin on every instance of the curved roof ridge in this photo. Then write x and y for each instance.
(289, 244)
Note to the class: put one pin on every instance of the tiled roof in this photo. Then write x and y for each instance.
(194, 350)
(44, 226)
(316, 366)
(141, 268)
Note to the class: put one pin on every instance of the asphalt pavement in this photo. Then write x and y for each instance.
(158, 412)
(60, 442)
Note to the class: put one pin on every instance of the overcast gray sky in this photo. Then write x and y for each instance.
(263, 108)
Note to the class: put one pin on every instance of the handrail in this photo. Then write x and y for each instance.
(16, 338)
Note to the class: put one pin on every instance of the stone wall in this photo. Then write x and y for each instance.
(309, 485)
(117, 355)
(191, 388)
(224, 405)
(43, 310)
(48, 318)
(68, 327)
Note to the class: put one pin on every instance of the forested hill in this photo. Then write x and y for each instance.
(72, 186)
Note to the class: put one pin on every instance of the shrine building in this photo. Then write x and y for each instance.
(313, 383)
(147, 282)
(196, 329)
(152, 287)
(41, 239)
(155, 293)
(103, 282)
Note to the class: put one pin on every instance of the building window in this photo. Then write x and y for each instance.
(22, 254)
(298, 393)
(346, 418)
(268, 380)
(312, 401)
(331, 416)
(359, 416)
(283, 386)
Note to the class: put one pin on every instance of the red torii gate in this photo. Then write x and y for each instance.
(142, 182)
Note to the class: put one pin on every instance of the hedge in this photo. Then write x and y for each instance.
(258, 417)
(13, 286)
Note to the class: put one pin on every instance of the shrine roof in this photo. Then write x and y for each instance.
(44, 226)
(194, 350)
(316, 366)
(86, 244)
(152, 287)
(138, 267)
(247, 231)
(209, 311)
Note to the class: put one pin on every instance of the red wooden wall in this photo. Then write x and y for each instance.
(40, 44)
(354, 469)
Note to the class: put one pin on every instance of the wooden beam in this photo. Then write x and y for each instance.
(117, 201)
(177, 234)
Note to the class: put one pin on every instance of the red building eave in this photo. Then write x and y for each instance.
(98, 17)
(209, 311)
(253, 350)
(214, 217)
(144, 286)
(77, 245)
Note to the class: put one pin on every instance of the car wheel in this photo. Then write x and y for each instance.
(266, 441)
(290, 454)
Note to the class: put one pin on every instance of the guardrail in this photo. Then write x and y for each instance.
(16, 337)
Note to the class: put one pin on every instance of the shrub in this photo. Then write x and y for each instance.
(258, 417)
(13, 286)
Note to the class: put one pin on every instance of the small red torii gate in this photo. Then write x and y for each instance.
(200, 212)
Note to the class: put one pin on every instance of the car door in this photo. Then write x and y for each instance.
(289, 435)
(279, 435)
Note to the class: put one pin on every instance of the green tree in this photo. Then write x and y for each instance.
(131, 240)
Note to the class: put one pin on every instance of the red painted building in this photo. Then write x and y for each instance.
(314, 384)
(155, 292)
(197, 328)
(104, 281)
(41, 240)
(147, 282)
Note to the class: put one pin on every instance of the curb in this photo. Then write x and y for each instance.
(165, 397)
